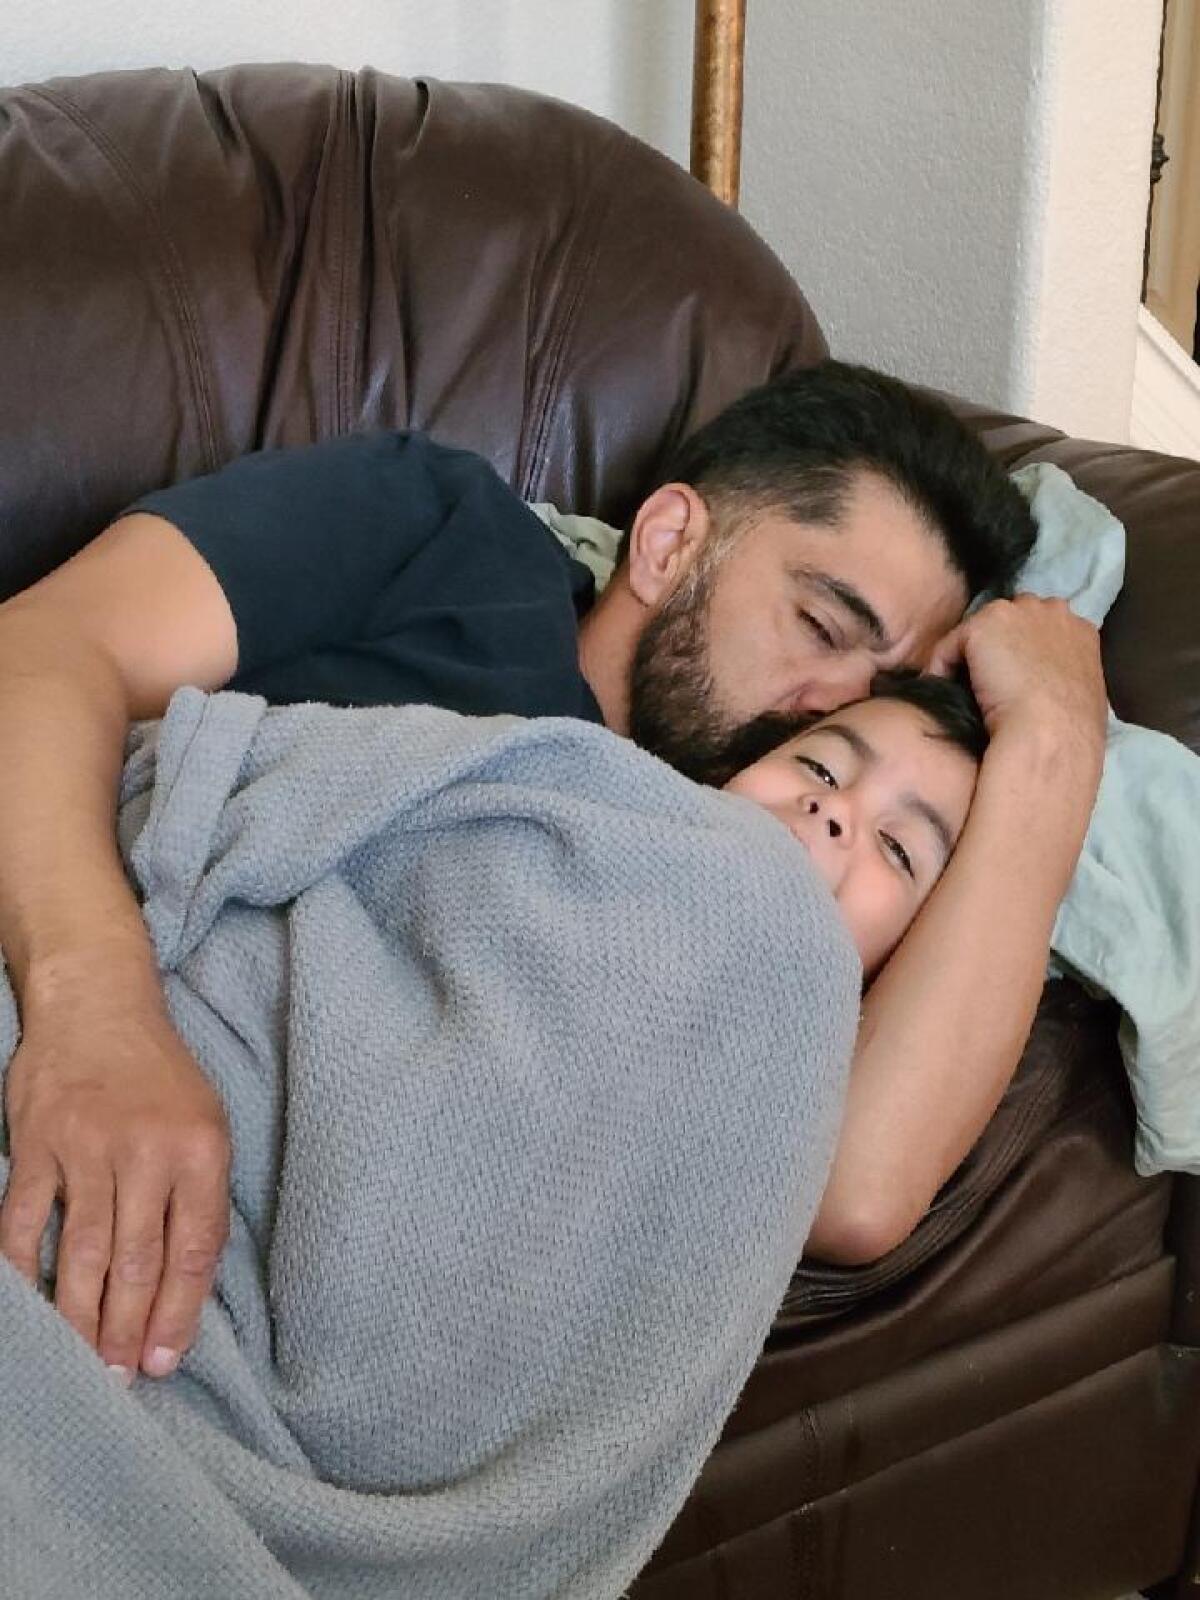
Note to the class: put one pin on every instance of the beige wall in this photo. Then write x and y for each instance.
(961, 187)
(627, 59)
(1087, 217)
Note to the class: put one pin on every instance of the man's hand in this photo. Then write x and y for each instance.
(107, 1109)
(1035, 670)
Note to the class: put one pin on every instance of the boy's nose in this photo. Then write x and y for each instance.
(831, 814)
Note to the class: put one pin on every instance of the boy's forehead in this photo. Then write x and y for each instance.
(887, 735)
(857, 722)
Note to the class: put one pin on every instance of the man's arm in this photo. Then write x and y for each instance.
(944, 1024)
(275, 557)
(104, 1104)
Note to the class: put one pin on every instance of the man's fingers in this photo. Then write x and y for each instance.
(107, 1108)
(85, 1250)
(947, 653)
(197, 1228)
(142, 1198)
(32, 1185)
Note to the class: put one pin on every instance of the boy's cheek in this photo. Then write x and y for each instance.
(877, 922)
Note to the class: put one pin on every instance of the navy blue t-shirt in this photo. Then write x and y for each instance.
(386, 569)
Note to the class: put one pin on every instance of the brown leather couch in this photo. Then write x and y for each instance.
(1008, 1406)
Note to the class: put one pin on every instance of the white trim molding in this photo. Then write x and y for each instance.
(1166, 393)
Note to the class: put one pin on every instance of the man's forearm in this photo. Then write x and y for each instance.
(63, 894)
(944, 1025)
(108, 636)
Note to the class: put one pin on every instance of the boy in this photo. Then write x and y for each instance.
(877, 793)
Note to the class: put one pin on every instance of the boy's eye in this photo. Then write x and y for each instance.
(818, 629)
(822, 772)
(898, 853)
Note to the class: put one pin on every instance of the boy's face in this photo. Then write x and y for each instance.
(878, 797)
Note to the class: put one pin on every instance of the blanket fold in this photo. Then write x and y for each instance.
(533, 1054)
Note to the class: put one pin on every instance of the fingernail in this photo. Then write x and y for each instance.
(123, 1375)
(161, 1361)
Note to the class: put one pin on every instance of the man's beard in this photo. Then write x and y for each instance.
(673, 709)
(672, 700)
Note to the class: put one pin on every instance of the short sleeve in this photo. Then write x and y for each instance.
(302, 540)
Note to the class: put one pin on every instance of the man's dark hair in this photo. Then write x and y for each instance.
(796, 444)
(947, 702)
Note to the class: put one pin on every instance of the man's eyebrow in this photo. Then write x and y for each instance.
(854, 601)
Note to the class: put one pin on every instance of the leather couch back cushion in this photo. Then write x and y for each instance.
(194, 267)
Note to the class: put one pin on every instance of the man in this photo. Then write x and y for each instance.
(825, 527)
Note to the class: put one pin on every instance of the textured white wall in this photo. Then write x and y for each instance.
(623, 58)
(1088, 212)
(885, 152)
(960, 186)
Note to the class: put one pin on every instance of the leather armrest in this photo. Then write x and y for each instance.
(1183, 1239)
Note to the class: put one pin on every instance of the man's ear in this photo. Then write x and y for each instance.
(667, 535)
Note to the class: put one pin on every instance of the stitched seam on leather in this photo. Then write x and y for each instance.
(800, 1549)
(1001, 1417)
(331, 307)
(577, 271)
(809, 1508)
(804, 1533)
(337, 231)
(168, 262)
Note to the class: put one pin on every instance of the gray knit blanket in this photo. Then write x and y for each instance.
(533, 1054)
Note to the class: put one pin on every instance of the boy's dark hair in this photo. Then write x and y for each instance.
(796, 443)
(947, 702)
